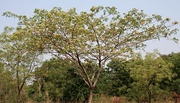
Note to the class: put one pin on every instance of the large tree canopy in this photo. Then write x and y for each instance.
(95, 36)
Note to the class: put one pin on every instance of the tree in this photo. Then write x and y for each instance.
(7, 87)
(56, 81)
(147, 74)
(50, 80)
(95, 36)
(172, 85)
(17, 58)
(119, 77)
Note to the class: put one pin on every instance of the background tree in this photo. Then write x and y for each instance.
(7, 86)
(119, 77)
(75, 89)
(57, 82)
(147, 73)
(17, 58)
(50, 80)
(95, 36)
(172, 85)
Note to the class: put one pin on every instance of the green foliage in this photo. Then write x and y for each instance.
(172, 85)
(7, 86)
(60, 81)
(49, 78)
(119, 77)
(147, 74)
(75, 89)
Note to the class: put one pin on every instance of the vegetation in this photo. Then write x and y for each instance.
(147, 74)
(81, 44)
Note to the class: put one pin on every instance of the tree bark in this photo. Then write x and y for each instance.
(47, 93)
(19, 96)
(39, 88)
(47, 96)
(90, 98)
(149, 96)
(18, 87)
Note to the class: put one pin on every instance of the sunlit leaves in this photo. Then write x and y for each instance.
(103, 24)
(151, 65)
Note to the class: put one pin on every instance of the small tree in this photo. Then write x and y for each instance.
(17, 58)
(173, 85)
(95, 36)
(147, 74)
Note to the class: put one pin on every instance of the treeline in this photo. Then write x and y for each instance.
(140, 79)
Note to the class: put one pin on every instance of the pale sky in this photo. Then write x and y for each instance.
(165, 8)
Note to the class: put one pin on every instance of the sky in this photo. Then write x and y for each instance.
(165, 8)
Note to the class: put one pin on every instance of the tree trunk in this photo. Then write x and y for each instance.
(18, 87)
(138, 100)
(90, 98)
(47, 93)
(39, 88)
(19, 96)
(47, 96)
(149, 96)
